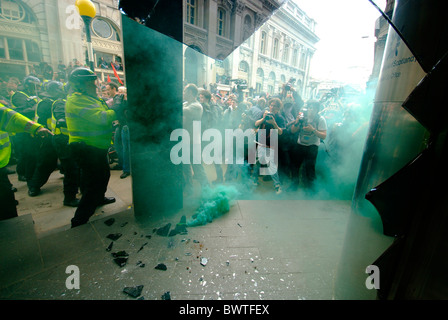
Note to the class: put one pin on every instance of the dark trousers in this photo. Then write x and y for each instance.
(26, 153)
(46, 163)
(304, 156)
(7, 200)
(95, 174)
(68, 166)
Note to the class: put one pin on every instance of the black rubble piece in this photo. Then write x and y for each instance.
(121, 261)
(133, 291)
(164, 231)
(161, 266)
(109, 222)
(166, 296)
(109, 248)
(181, 227)
(141, 248)
(114, 236)
(120, 254)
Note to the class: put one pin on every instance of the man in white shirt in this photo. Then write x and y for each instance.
(312, 128)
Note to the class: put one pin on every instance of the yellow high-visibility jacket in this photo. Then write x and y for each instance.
(89, 120)
(12, 122)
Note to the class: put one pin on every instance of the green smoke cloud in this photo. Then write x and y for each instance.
(215, 202)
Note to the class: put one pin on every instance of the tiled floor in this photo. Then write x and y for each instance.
(261, 249)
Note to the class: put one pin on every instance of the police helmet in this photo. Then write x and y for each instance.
(81, 75)
(31, 80)
(55, 89)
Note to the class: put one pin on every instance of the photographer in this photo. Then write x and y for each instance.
(121, 137)
(311, 128)
(271, 120)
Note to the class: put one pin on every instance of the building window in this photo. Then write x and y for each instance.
(302, 60)
(285, 56)
(275, 49)
(191, 11)
(294, 58)
(11, 10)
(221, 22)
(103, 29)
(32, 51)
(263, 42)
(15, 49)
(2, 48)
(243, 66)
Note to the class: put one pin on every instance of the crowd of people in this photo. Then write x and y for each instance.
(302, 127)
(86, 119)
(298, 125)
(78, 114)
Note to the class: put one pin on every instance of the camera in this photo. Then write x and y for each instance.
(303, 117)
(269, 116)
(289, 84)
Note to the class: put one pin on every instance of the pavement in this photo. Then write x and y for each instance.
(268, 248)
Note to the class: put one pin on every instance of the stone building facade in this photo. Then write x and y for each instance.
(280, 49)
(51, 31)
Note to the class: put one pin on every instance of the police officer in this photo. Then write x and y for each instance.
(25, 102)
(12, 122)
(46, 161)
(89, 123)
(60, 143)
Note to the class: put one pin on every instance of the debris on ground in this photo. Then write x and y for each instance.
(166, 296)
(120, 254)
(109, 248)
(114, 236)
(133, 291)
(121, 258)
(204, 261)
(164, 230)
(141, 248)
(121, 261)
(161, 266)
(109, 222)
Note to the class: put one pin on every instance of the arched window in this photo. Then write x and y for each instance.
(14, 12)
(243, 66)
(221, 23)
(263, 42)
(294, 57)
(103, 29)
(283, 78)
(275, 49)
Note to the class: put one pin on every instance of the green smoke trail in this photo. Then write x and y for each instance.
(215, 203)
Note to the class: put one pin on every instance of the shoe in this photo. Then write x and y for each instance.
(71, 203)
(125, 175)
(278, 189)
(253, 183)
(33, 192)
(108, 200)
(13, 189)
